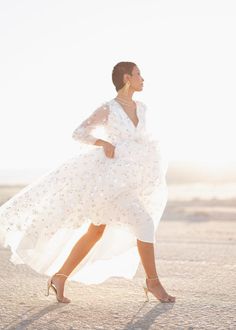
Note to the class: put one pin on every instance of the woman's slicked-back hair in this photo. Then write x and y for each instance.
(118, 72)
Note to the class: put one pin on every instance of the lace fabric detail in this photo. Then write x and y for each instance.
(98, 118)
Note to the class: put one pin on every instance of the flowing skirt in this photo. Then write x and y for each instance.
(128, 193)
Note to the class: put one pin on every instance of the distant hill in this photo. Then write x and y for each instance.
(189, 172)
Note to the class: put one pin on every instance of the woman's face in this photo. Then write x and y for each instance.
(135, 79)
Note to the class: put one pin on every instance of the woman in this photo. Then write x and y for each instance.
(112, 196)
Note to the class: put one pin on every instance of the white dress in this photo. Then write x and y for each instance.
(128, 193)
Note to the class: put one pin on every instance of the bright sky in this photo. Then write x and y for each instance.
(56, 59)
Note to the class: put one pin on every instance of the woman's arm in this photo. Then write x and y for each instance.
(98, 118)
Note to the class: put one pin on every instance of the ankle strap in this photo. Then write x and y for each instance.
(61, 274)
(152, 278)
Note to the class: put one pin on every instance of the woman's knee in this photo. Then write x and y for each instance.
(96, 231)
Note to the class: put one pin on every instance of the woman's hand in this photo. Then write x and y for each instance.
(108, 148)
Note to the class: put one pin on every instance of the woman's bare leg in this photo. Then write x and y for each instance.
(78, 252)
(146, 252)
(147, 255)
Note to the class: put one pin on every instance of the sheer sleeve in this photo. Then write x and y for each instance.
(83, 132)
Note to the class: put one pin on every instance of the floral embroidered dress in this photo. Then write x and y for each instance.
(128, 193)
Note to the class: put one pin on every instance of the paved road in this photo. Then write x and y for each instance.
(196, 261)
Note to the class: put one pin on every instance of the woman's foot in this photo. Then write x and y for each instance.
(58, 281)
(156, 288)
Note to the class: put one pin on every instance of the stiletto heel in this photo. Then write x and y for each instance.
(51, 285)
(146, 292)
(48, 287)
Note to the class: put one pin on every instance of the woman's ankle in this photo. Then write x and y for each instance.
(63, 276)
(152, 277)
(152, 280)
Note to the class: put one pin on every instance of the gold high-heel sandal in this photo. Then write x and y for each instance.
(51, 285)
(146, 290)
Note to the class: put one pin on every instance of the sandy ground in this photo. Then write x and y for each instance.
(196, 262)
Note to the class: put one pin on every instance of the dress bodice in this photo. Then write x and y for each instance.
(116, 122)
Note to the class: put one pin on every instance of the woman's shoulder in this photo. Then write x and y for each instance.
(106, 104)
(103, 106)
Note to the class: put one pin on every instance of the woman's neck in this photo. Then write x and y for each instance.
(125, 96)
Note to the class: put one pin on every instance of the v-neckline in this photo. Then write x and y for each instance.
(136, 110)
